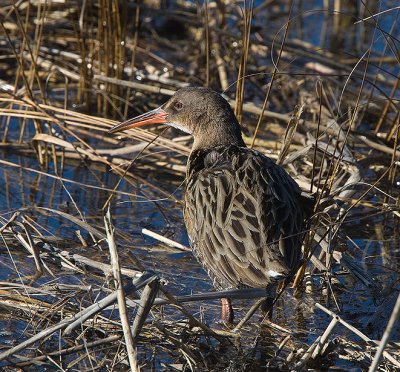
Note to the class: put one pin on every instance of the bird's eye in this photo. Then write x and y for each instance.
(178, 105)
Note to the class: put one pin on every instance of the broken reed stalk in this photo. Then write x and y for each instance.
(130, 347)
(317, 347)
(147, 298)
(385, 338)
(308, 353)
(320, 347)
(165, 240)
(358, 333)
(105, 302)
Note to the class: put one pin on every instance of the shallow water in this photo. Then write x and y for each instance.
(183, 275)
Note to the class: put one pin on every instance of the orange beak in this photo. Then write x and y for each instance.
(157, 116)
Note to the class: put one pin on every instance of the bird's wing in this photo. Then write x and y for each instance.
(241, 218)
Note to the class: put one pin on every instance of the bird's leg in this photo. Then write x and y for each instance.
(227, 314)
(267, 305)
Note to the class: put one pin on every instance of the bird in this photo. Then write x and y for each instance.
(245, 215)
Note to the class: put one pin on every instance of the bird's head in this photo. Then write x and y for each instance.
(199, 111)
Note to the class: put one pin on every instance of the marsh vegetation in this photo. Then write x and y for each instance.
(83, 214)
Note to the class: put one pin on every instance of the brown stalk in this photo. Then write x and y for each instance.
(207, 44)
(133, 58)
(274, 73)
(130, 346)
(247, 19)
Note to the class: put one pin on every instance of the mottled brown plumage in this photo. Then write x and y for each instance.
(245, 216)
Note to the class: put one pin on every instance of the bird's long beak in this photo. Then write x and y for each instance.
(157, 116)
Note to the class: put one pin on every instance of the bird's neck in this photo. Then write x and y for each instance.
(211, 142)
(219, 135)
